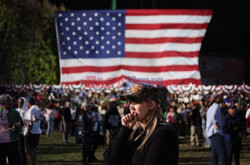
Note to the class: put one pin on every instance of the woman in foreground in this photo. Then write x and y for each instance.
(144, 139)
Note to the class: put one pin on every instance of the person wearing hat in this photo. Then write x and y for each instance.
(10, 127)
(32, 131)
(232, 129)
(143, 138)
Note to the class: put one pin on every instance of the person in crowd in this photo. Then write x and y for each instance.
(10, 127)
(58, 116)
(195, 120)
(203, 113)
(172, 117)
(187, 117)
(232, 129)
(66, 119)
(22, 108)
(144, 138)
(248, 120)
(32, 131)
(73, 109)
(215, 134)
(181, 113)
(96, 118)
(112, 121)
(104, 100)
(49, 117)
(84, 128)
(241, 113)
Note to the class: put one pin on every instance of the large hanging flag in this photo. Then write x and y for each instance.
(106, 46)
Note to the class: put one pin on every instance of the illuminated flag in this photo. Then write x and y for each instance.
(108, 46)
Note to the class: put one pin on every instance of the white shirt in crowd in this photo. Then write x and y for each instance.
(248, 113)
(33, 114)
(96, 119)
(213, 115)
(23, 111)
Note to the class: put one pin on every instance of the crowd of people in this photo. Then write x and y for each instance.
(95, 118)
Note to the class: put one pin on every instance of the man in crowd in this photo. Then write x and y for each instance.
(112, 121)
(195, 121)
(66, 119)
(33, 130)
(214, 133)
(96, 130)
(84, 125)
(22, 108)
(232, 129)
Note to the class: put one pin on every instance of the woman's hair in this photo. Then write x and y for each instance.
(7, 99)
(152, 119)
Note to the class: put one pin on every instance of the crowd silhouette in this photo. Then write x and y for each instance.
(94, 118)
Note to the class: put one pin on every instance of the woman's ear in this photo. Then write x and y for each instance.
(152, 104)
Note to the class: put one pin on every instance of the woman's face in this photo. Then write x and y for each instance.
(141, 109)
(20, 103)
(171, 109)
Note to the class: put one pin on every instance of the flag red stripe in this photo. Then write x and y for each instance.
(83, 69)
(160, 54)
(163, 40)
(90, 82)
(136, 12)
(166, 26)
(168, 82)
(117, 79)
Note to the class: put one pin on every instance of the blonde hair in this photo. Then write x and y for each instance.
(152, 119)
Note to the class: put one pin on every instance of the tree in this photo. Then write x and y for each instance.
(28, 42)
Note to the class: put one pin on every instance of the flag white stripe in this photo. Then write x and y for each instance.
(162, 47)
(167, 19)
(138, 75)
(130, 61)
(164, 33)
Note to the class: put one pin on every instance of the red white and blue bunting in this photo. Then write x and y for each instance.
(37, 87)
(17, 87)
(171, 88)
(246, 88)
(186, 88)
(76, 88)
(229, 88)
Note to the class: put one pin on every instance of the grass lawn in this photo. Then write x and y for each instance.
(51, 150)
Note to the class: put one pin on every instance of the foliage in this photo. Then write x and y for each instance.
(28, 47)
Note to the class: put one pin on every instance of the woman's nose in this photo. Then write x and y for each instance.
(131, 107)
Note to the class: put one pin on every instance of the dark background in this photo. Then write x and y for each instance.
(225, 35)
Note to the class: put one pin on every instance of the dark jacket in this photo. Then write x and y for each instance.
(228, 127)
(84, 123)
(66, 114)
(161, 148)
(112, 119)
(195, 117)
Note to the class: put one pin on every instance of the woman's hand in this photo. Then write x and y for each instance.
(129, 120)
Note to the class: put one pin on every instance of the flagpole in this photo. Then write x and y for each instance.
(113, 5)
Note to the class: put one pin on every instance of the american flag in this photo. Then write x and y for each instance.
(110, 46)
